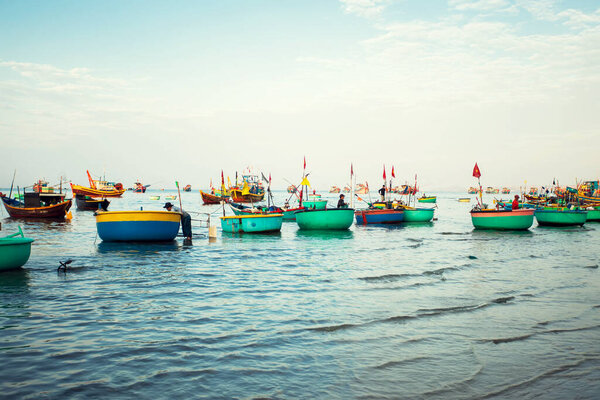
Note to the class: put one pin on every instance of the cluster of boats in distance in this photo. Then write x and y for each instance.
(252, 213)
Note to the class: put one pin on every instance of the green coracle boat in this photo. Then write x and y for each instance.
(429, 199)
(259, 223)
(502, 219)
(593, 214)
(314, 202)
(14, 250)
(327, 219)
(418, 214)
(560, 217)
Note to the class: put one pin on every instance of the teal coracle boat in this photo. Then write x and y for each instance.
(418, 214)
(560, 217)
(315, 203)
(257, 223)
(137, 226)
(521, 219)
(327, 219)
(14, 250)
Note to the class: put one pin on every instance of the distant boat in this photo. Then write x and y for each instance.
(99, 188)
(251, 190)
(38, 205)
(14, 250)
(187, 188)
(154, 197)
(334, 189)
(491, 190)
(521, 219)
(89, 203)
(505, 190)
(326, 219)
(465, 199)
(346, 189)
(291, 189)
(171, 197)
(139, 188)
(362, 188)
(428, 199)
(127, 226)
(256, 223)
(472, 190)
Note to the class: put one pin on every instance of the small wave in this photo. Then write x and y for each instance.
(414, 240)
(527, 336)
(592, 266)
(472, 258)
(503, 300)
(453, 233)
(386, 278)
(391, 364)
(439, 271)
(333, 328)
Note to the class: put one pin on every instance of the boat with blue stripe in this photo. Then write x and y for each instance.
(137, 226)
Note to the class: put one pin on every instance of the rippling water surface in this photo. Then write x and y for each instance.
(425, 310)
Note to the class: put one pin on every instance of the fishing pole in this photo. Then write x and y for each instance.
(13, 182)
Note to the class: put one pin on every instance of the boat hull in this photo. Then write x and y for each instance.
(560, 217)
(86, 191)
(502, 220)
(418, 215)
(327, 219)
(14, 252)
(262, 223)
(86, 203)
(238, 197)
(377, 216)
(58, 210)
(137, 226)
(428, 200)
(208, 198)
(315, 204)
(593, 215)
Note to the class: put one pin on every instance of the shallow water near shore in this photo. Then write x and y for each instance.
(433, 310)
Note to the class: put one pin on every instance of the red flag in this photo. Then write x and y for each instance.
(222, 178)
(476, 172)
(393, 174)
(269, 177)
(384, 177)
(351, 169)
(304, 162)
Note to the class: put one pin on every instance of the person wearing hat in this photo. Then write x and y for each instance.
(341, 202)
(186, 220)
(515, 203)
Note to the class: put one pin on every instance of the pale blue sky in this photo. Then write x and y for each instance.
(180, 90)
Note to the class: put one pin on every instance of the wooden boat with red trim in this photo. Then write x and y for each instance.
(38, 205)
(238, 196)
(99, 188)
(208, 198)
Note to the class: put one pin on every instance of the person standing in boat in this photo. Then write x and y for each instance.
(515, 203)
(341, 203)
(186, 220)
(382, 193)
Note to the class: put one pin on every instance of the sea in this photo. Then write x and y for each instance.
(414, 311)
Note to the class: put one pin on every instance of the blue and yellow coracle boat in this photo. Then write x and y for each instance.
(137, 226)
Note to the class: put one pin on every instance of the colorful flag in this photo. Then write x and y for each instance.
(384, 177)
(393, 174)
(476, 172)
(304, 162)
(222, 178)
(305, 182)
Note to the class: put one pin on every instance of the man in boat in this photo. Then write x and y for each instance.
(341, 202)
(515, 203)
(186, 220)
(382, 193)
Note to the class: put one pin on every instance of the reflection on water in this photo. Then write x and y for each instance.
(12, 280)
(137, 248)
(324, 235)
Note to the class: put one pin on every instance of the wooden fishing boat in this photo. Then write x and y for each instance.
(346, 189)
(464, 199)
(238, 197)
(139, 188)
(288, 213)
(38, 205)
(292, 189)
(472, 190)
(136, 226)
(256, 223)
(505, 190)
(14, 250)
(428, 199)
(334, 189)
(502, 219)
(326, 219)
(187, 188)
(251, 190)
(99, 188)
(492, 190)
(208, 198)
(412, 214)
(560, 217)
(378, 216)
(89, 203)
(362, 188)
(593, 200)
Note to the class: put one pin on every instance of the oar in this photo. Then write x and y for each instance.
(367, 203)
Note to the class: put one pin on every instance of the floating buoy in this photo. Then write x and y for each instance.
(69, 216)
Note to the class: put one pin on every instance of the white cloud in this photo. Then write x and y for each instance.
(364, 8)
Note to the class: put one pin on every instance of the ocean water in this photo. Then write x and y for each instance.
(431, 310)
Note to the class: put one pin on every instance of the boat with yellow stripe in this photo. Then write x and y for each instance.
(139, 225)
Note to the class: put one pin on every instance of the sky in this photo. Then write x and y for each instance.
(180, 90)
